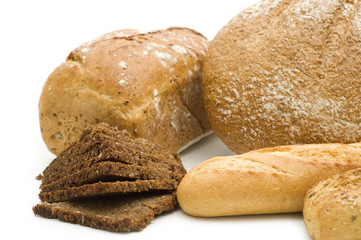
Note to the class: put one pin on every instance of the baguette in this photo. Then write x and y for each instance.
(265, 181)
(332, 209)
(148, 84)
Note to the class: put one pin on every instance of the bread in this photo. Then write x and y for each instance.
(286, 72)
(117, 213)
(332, 209)
(148, 84)
(106, 161)
(109, 179)
(101, 144)
(105, 188)
(111, 171)
(269, 180)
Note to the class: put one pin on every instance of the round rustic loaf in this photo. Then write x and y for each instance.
(148, 84)
(332, 209)
(286, 72)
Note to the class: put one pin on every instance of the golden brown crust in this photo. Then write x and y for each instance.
(270, 180)
(286, 72)
(147, 83)
(332, 209)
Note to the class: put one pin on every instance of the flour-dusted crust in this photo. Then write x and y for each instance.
(286, 72)
(264, 181)
(332, 209)
(146, 83)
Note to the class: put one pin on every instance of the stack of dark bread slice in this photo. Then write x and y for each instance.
(110, 180)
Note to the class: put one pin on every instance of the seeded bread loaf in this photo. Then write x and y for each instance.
(270, 180)
(286, 72)
(332, 209)
(148, 84)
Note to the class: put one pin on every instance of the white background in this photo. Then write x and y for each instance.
(35, 37)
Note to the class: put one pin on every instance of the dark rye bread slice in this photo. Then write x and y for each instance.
(107, 161)
(106, 188)
(104, 143)
(116, 213)
(108, 171)
(107, 151)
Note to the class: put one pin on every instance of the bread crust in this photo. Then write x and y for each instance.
(270, 180)
(286, 72)
(332, 209)
(149, 84)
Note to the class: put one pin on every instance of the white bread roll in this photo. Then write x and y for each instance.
(270, 180)
(148, 84)
(332, 209)
(286, 72)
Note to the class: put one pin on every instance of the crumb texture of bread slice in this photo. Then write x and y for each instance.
(106, 160)
(106, 188)
(110, 180)
(131, 212)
